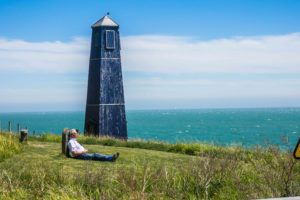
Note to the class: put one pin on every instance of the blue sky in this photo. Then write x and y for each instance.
(176, 54)
(34, 20)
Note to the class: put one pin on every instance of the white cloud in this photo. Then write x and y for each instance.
(163, 54)
(38, 95)
(199, 89)
(181, 59)
(266, 54)
(53, 57)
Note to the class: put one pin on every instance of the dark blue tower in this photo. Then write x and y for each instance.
(105, 107)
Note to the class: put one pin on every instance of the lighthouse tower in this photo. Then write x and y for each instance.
(105, 106)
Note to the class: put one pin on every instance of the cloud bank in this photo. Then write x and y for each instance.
(267, 54)
(162, 71)
(161, 54)
(37, 57)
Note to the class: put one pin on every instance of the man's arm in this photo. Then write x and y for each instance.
(77, 153)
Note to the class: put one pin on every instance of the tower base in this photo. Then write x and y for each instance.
(106, 120)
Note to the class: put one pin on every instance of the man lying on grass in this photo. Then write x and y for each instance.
(79, 152)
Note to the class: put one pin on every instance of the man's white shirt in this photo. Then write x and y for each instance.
(74, 146)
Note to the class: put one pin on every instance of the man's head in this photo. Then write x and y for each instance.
(73, 133)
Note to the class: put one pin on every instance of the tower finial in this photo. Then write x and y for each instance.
(106, 20)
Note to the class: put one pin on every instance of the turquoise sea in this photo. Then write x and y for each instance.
(247, 127)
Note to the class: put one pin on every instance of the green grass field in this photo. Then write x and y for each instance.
(39, 171)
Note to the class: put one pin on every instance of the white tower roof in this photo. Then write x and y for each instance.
(105, 21)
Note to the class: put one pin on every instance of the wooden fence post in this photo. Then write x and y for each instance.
(18, 128)
(9, 126)
(64, 141)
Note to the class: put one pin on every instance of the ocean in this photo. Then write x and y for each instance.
(245, 127)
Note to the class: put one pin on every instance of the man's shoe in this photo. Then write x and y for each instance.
(115, 156)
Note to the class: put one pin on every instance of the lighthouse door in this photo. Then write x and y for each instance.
(91, 127)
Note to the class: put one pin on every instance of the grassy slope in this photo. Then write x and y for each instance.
(41, 172)
(46, 156)
(50, 152)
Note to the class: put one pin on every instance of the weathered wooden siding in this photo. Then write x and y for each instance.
(105, 108)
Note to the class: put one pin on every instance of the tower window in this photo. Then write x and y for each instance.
(110, 39)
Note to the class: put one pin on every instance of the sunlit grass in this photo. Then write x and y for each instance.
(169, 171)
(199, 149)
(9, 145)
